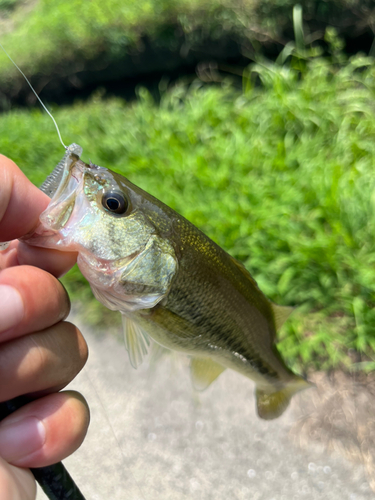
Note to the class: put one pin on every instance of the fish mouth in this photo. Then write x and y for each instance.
(59, 211)
(71, 186)
(58, 223)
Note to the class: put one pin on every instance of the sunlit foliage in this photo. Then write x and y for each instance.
(280, 175)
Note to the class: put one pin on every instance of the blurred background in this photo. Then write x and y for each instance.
(255, 120)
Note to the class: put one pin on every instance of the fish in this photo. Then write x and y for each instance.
(171, 283)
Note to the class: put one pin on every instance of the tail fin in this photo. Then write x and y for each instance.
(271, 405)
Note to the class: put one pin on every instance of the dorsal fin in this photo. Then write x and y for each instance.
(203, 372)
(280, 314)
(137, 341)
(244, 271)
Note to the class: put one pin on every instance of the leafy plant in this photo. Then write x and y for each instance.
(280, 175)
(63, 37)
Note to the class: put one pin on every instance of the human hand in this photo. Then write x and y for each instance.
(40, 353)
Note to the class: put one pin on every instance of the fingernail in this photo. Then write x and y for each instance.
(11, 307)
(21, 438)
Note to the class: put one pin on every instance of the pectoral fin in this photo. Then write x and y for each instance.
(137, 341)
(203, 372)
(271, 405)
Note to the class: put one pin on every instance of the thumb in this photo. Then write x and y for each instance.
(16, 483)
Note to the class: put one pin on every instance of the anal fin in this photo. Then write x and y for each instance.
(271, 405)
(203, 372)
(137, 341)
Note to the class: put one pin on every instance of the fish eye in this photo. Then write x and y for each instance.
(115, 202)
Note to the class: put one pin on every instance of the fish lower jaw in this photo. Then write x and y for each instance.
(98, 272)
(105, 278)
(90, 263)
(43, 237)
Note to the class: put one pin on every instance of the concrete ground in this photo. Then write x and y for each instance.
(152, 437)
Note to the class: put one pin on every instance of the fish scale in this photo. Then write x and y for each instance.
(171, 283)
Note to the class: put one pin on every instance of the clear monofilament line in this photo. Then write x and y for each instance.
(36, 95)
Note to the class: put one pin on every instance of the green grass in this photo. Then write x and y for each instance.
(6, 5)
(281, 176)
(61, 37)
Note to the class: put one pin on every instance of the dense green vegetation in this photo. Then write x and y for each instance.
(65, 36)
(280, 175)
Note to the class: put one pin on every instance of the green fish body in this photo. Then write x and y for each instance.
(169, 281)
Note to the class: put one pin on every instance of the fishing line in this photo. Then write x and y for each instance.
(104, 411)
(3, 246)
(39, 99)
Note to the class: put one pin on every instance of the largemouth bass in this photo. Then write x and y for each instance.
(170, 282)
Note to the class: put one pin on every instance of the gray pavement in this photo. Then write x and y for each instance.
(152, 437)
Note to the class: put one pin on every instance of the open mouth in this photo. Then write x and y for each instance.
(70, 213)
(61, 206)
(66, 181)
